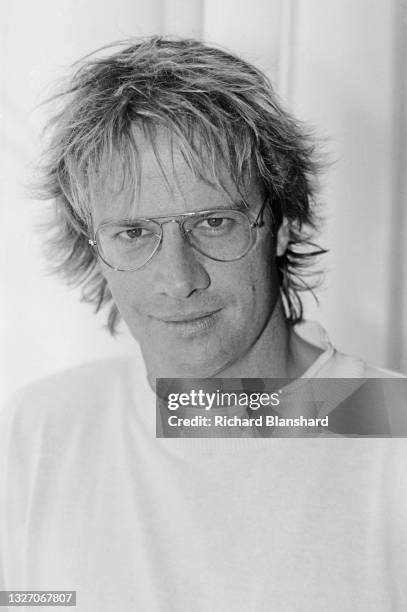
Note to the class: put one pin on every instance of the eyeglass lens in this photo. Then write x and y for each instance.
(222, 235)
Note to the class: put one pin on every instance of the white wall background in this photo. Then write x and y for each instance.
(340, 64)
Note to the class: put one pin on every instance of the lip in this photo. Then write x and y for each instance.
(188, 318)
(191, 324)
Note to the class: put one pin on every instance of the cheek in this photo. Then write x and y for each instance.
(260, 278)
(125, 293)
(253, 290)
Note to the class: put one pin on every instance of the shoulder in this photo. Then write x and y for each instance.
(373, 402)
(332, 363)
(81, 393)
(341, 365)
(375, 372)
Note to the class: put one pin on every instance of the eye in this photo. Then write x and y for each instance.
(216, 223)
(131, 234)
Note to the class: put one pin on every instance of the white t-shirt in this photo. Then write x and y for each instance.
(92, 501)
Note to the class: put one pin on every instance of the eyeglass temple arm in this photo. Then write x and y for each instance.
(258, 222)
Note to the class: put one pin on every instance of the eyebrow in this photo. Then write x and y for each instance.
(240, 204)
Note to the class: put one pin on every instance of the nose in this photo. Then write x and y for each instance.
(177, 268)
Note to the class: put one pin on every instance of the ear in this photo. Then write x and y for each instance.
(283, 236)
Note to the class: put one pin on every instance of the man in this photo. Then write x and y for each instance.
(184, 196)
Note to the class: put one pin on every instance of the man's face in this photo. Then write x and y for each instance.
(192, 316)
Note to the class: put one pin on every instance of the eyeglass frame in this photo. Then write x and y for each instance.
(180, 218)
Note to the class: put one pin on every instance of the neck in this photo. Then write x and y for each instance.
(270, 356)
(278, 352)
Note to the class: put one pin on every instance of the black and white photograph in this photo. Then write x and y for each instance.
(203, 375)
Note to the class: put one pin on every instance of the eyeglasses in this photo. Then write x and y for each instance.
(222, 234)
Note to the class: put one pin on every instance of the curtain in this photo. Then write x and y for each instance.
(339, 65)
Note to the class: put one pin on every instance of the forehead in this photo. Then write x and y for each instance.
(161, 179)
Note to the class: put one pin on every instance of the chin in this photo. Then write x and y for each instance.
(185, 367)
(192, 357)
(175, 370)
